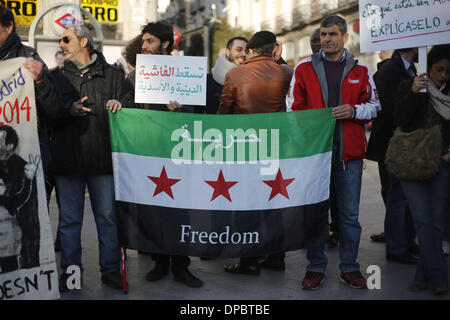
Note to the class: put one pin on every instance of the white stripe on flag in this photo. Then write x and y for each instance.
(131, 172)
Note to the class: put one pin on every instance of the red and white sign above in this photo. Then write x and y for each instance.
(64, 16)
(66, 20)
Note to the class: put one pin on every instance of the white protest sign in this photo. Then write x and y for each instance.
(399, 24)
(162, 78)
(27, 258)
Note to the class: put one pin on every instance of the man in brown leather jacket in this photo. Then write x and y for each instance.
(259, 85)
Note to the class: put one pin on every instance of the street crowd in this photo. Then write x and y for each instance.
(73, 101)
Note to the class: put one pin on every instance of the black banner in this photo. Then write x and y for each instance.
(223, 234)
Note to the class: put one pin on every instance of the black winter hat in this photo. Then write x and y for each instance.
(260, 39)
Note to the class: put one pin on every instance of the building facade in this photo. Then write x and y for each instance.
(293, 21)
(194, 19)
(189, 15)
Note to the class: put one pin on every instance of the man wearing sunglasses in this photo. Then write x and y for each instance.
(82, 152)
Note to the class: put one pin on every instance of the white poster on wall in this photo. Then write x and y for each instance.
(163, 78)
(399, 24)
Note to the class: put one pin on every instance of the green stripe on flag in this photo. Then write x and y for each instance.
(190, 136)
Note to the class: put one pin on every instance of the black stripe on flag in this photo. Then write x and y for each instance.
(224, 234)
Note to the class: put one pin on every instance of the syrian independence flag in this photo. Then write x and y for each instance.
(221, 185)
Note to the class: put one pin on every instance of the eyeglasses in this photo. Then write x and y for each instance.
(65, 39)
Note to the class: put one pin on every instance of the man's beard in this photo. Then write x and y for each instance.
(160, 51)
(67, 55)
(232, 59)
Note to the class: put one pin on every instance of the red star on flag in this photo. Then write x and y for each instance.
(279, 185)
(163, 183)
(221, 187)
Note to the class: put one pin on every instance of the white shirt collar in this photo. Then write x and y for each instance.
(406, 63)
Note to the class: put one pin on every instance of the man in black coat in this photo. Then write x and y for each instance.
(81, 151)
(399, 229)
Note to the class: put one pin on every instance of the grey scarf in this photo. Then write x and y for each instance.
(221, 68)
(84, 68)
(440, 101)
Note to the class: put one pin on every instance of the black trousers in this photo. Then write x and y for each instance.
(248, 261)
(50, 184)
(165, 259)
(384, 180)
(334, 225)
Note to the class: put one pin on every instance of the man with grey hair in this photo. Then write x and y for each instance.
(82, 152)
(345, 85)
(333, 238)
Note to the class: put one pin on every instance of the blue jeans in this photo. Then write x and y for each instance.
(428, 202)
(346, 179)
(71, 194)
(398, 224)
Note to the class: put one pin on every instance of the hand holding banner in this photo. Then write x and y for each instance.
(161, 79)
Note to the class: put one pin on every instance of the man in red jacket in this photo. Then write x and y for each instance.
(334, 79)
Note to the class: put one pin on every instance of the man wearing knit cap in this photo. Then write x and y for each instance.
(259, 85)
